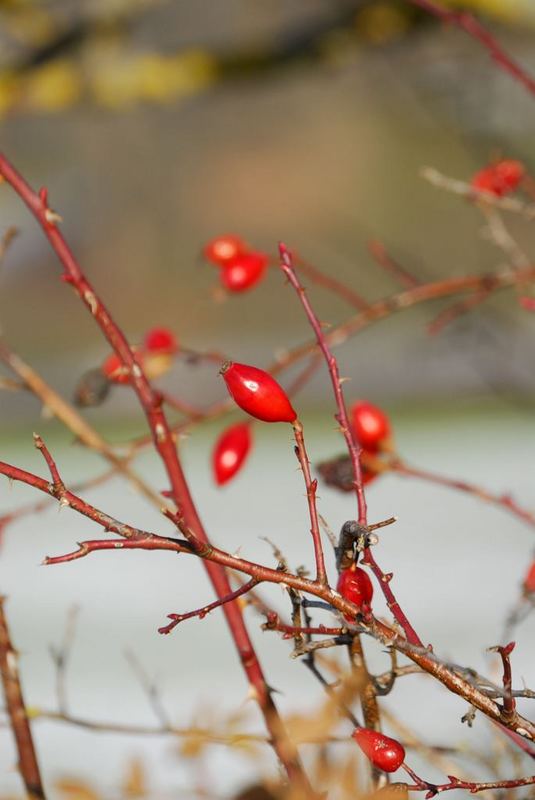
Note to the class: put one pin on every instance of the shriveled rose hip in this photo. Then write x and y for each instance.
(231, 451)
(244, 271)
(384, 753)
(257, 393)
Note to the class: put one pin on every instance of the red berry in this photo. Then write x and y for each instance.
(114, 369)
(354, 584)
(529, 580)
(500, 178)
(370, 424)
(160, 340)
(257, 393)
(384, 753)
(231, 451)
(244, 271)
(223, 248)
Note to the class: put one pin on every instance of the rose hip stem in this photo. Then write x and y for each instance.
(165, 446)
(341, 415)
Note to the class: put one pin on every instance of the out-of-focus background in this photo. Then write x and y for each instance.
(157, 125)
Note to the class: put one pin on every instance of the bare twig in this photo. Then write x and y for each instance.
(470, 25)
(28, 765)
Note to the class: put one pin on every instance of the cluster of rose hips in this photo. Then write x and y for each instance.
(501, 178)
(258, 393)
(155, 354)
(240, 267)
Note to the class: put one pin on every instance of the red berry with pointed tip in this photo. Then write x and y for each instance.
(223, 248)
(114, 369)
(499, 179)
(257, 393)
(244, 271)
(160, 340)
(384, 753)
(354, 584)
(231, 451)
(370, 424)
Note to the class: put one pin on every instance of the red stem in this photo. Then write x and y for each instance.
(166, 447)
(332, 365)
(202, 612)
(354, 451)
(467, 22)
(311, 487)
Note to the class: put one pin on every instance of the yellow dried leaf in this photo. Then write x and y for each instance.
(135, 783)
(73, 789)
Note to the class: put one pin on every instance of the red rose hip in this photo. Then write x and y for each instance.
(244, 271)
(354, 584)
(160, 340)
(257, 393)
(231, 451)
(384, 753)
(370, 424)
(500, 178)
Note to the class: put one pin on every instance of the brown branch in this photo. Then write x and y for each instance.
(382, 257)
(327, 282)
(432, 789)
(509, 704)
(28, 765)
(137, 539)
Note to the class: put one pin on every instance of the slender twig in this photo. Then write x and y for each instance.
(150, 688)
(464, 189)
(176, 619)
(311, 487)
(291, 631)
(432, 789)
(470, 25)
(341, 413)
(60, 656)
(382, 257)
(28, 765)
(328, 282)
(504, 501)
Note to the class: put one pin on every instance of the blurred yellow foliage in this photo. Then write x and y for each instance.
(381, 23)
(52, 87)
(72, 789)
(515, 11)
(120, 81)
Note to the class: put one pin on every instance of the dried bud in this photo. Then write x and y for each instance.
(92, 389)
